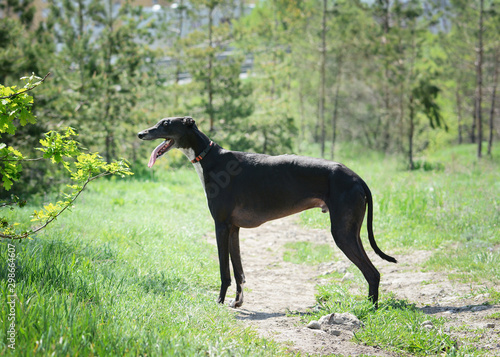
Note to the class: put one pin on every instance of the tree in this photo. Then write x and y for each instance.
(382, 10)
(24, 49)
(473, 37)
(410, 72)
(270, 35)
(323, 77)
(215, 39)
(215, 68)
(60, 149)
(493, 27)
(103, 58)
(479, 80)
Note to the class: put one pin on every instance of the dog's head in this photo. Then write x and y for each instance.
(172, 130)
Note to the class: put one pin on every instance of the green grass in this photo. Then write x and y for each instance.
(453, 209)
(128, 272)
(495, 316)
(308, 253)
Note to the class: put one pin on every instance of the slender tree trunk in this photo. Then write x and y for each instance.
(80, 34)
(323, 80)
(264, 147)
(411, 99)
(472, 134)
(274, 44)
(210, 68)
(242, 8)
(179, 36)
(178, 62)
(400, 140)
(493, 97)
(458, 99)
(404, 85)
(411, 132)
(386, 125)
(302, 116)
(336, 103)
(318, 123)
(107, 77)
(479, 83)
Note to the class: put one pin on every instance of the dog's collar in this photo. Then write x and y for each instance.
(203, 153)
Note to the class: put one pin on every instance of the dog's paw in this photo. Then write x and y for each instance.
(235, 303)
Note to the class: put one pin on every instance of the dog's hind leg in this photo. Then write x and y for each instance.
(222, 236)
(239, 276)
(346, 216)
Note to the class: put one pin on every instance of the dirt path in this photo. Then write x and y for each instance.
(275, 287)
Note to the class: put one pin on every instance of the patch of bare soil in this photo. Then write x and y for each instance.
(275, 287)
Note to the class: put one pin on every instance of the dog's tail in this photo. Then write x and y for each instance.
(369, 225)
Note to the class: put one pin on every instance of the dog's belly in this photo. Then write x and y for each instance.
(251, 217)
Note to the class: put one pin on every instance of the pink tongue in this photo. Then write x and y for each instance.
(153, 157)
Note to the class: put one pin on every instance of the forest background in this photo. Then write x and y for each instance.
(274, 77)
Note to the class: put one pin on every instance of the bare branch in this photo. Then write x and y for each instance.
(26, 89)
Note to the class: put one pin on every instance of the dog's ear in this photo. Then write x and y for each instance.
(188, 121)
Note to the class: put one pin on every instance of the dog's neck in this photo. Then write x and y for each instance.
(198, 142)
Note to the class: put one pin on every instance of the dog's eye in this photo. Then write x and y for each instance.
(166, 122)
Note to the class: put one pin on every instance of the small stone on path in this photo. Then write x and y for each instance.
(314, 325)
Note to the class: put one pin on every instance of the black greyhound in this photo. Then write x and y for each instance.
(245, 190)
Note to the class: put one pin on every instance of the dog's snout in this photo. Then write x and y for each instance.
(141, 135)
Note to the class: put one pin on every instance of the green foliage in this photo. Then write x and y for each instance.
(11, 166)
(59, 148)
(15, 105)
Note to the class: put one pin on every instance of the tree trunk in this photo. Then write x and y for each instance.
(386, 121)
(458, 99)
(336, 103)
(179, 36)
(242, 8)
(323, 80)
(411, 132)
(493, 95)
(472, 133)
(107, 77)
(80, 34)
(209, 71)
(479, 82)
(302, 116)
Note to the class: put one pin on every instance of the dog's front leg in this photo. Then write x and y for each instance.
(239, 276)
(222, 235)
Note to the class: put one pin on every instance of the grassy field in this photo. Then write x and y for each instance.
(130, 271)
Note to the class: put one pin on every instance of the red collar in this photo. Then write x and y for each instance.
(203, 153)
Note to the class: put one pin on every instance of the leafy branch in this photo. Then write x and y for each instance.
(58, 148)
